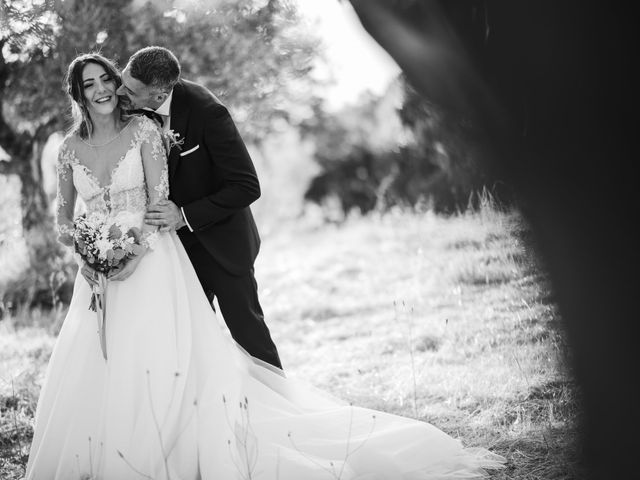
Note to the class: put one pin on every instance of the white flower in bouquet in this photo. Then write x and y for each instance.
(103, 245)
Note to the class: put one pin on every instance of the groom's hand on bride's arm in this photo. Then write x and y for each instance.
(166, 215)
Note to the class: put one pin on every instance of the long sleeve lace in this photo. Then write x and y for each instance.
(156, 170)
(66, 195)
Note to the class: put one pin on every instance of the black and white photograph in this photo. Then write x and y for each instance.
(318, 239)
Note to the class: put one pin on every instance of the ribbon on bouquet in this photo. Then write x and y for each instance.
(99, 305)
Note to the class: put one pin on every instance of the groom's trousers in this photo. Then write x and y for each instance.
(238, 300)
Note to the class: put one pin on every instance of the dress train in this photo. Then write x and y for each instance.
(178, 399)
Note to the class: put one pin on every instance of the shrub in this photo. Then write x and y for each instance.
(433, 159)
(47, 281)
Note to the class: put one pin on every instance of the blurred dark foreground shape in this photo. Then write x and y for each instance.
(552, 89)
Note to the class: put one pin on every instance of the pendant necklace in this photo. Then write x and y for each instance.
(95, 145)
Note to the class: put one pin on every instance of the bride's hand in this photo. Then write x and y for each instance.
(126, 271)
(89, 274)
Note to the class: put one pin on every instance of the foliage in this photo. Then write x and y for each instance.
(47, 282)
(451, 145)
(433, 160)
(245, 52)
(251, 53)
(35, 67)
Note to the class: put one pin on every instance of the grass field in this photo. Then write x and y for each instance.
(448, 320)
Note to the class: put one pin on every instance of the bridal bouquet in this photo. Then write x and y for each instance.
(104, 245)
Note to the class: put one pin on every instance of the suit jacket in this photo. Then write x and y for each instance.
(212, 177)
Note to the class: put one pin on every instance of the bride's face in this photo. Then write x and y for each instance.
(99, 89)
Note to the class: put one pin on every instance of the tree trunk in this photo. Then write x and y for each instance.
(35, 204)
(25, 151)
(47, 278)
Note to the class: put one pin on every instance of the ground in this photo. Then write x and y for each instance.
(450, 320)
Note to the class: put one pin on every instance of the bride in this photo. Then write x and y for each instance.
(177, 398)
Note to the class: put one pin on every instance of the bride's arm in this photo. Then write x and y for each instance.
(156, 170)
(156, 174)
(66, 196)
(65, 208)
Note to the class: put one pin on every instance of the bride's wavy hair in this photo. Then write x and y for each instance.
(82, 123)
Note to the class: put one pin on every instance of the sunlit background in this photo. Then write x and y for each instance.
(353, 60)
(390, 274)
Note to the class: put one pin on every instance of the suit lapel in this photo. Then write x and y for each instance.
(179, 117)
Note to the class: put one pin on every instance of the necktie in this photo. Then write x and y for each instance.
(155, 116)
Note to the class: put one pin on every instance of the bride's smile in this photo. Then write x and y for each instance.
(99, 89)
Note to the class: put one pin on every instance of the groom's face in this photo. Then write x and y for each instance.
(136, 95)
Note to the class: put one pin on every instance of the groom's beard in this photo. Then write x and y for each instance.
(126, 104)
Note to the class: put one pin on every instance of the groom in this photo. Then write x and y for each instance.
(212, 182)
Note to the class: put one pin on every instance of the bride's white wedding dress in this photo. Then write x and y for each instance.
(177, 398)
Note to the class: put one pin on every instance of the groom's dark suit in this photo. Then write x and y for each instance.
(212, 177)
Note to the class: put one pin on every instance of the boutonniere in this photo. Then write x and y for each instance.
(172, 139)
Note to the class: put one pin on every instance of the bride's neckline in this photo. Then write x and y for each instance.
(92, 176)
(89, 171)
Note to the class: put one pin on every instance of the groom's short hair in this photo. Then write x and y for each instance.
(156, 67)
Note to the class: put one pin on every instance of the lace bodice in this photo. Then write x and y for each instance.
(139, 178)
